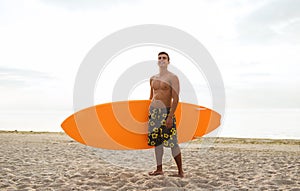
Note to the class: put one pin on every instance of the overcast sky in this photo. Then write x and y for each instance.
(255, 44)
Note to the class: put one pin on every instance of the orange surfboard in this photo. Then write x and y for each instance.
(124, 125)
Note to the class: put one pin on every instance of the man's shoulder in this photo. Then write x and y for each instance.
(153, 77)
(172, 75)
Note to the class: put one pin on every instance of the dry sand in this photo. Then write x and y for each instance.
(52, 161)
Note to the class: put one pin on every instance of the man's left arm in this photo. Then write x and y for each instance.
(175, 99)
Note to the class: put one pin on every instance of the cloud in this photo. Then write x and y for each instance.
(26, 89)
(10, 11)
(78, 5)
(19, 78)
(274, 21)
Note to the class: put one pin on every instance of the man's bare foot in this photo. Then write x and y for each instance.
(155, 173)
(180, 175)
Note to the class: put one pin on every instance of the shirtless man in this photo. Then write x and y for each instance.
(164, 96)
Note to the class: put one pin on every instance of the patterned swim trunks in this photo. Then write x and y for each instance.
(158, 133)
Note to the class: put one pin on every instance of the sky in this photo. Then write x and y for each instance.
(255, 44)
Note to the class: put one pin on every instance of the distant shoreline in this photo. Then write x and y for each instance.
(216, 140)
(31, 132)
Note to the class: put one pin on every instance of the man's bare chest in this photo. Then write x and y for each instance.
(161, 84)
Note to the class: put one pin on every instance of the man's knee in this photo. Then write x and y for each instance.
(175, 150)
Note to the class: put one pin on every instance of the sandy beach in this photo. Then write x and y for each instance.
(53, 161)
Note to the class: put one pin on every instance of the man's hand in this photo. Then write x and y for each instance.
(169, 122)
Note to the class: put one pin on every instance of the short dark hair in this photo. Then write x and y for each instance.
(165, 54)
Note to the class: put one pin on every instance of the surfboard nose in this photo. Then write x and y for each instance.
(70, 128)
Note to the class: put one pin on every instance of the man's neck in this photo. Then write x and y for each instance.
(163, 71)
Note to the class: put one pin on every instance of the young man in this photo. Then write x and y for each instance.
(164, 96)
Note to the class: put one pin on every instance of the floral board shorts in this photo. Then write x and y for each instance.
(158, 133)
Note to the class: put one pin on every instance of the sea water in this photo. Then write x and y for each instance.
(261, 123)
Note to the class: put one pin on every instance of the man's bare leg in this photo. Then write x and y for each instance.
(159, 150)
(177, 156)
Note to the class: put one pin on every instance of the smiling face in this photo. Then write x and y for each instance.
(163, 59)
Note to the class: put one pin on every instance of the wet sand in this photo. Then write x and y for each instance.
(53, 161)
